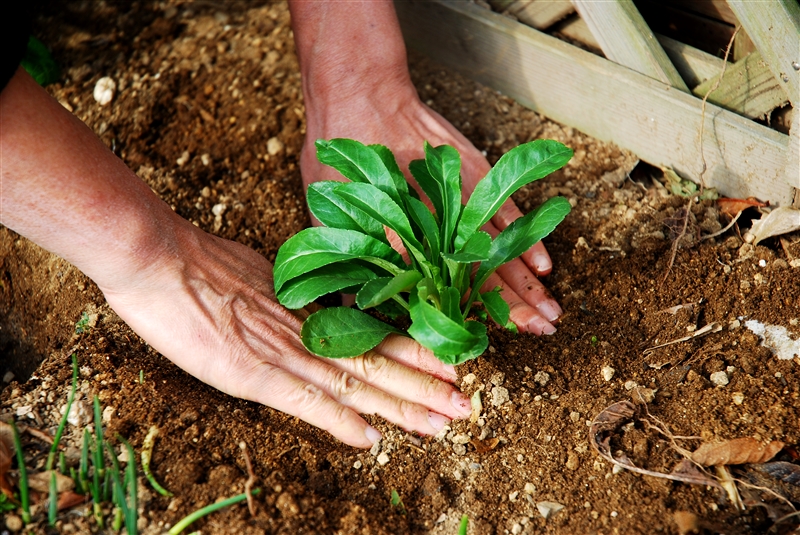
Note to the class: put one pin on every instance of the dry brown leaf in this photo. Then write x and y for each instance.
(71, 499)
(483, 446)
(41, 482)
(734, 206)
(737, 451)
(779, 221)
(6, 454)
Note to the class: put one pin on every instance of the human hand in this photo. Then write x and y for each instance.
(208, 306)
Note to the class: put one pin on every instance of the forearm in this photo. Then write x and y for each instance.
(355, 47)
(64, 190)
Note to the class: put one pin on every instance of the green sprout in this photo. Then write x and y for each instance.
(462, 528)
(397, 502)
(147, 455)
(51, 457)
(83, 324)
(24, 493)
(200, 513)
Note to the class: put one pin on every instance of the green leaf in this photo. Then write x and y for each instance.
(342, 332)
(39, 63)
(389, 161)
(520, 235)
(451, 299)
(496, 306)
(444, 166)
(332, 210)
(383, 209)
(479, 331)
(313, 248)
(379, 290)
(419, 170)
(437, 332)
(519, 166)
(476, 249)
(300, 291)
(422, 216)
(357, 162)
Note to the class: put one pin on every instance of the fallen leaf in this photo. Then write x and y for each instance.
(71, 499)
(483, 446)
(41, 481)
(787, 472)
(779, 221)
(736, 451)
(6, 454)
(734, 206)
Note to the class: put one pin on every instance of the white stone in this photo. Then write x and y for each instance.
(357, 465)
(499, 396)
(530, 488)
(513, 496)
(383, 458)
(630, 385)
(468, 379)
(108, 413)
(516, 529)
(719, 378)
(104, 90)
(738, 398)
(274, 146)
(461, 438)
(547, 509)
(541, 378)
(205, 158)
(218, 209)
(608, 373)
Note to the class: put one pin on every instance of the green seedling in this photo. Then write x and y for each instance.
(39, 63)
(397, 502)
(147, 455)
(462, 529)
(6, 505)
(207, 510)
(52, 510)
(351, 253)
(24, 492)
(83, 324)
(51, 457)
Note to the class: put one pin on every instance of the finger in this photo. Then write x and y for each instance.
(403, 382)
(525, 317)
(409, 353)
(276, 388)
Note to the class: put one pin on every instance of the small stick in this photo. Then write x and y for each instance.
(723, 231)
(251, 479)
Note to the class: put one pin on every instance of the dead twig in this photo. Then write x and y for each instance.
(708, 329)
(251, 479)
(724, 230)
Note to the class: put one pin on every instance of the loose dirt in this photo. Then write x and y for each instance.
(208, 111)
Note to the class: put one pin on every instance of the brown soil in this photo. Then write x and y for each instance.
(201, 88)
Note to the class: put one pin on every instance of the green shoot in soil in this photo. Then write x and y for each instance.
(24, 493)
(147, 454)
(398, 502)
(462, 529)
(52, 510)
(352, 254)
(63, 423)
(200, 513)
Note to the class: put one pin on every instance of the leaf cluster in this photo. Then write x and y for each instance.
(351, 253)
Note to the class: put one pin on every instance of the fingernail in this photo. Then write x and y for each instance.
(461, 403)
(450, 371)
(548, 329)
(550, 310)
(542, 262)
(437, 421)
(372, 434)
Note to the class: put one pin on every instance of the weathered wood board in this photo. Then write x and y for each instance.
(610, 102)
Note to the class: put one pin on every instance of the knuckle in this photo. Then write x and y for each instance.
(372, 365)
(344, 386)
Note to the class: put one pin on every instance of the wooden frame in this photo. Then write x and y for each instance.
(659, 123)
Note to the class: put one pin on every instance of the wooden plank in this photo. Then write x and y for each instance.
(609, 102)
(774, 27)
(793, 158)
(693, 64)
(707, 34)
(575, 29)
(715, 9)
(626, 39)
(541, 14)
(747, 88)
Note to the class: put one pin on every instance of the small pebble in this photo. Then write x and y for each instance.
(497, 378)
(459, 449)
(513, 496)
(104, 90)
(218, 209)
(468, 379)
(738, 398)
(499, 396)
(541, 378)
(461, 438)
(13, 523)
(375, 449)
(719, 378)
(357, 465)
(516, 529)
(206, 159)
(383, 458)
(274, 146)
(630, 385)
(575, 416)
(608, 373)
(530, 488)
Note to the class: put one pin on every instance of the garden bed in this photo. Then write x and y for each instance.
(208, 110)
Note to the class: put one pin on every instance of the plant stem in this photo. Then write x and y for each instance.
(147, 454)
(52, 511)
(51, 457)
(24, 495)
(200, 513)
